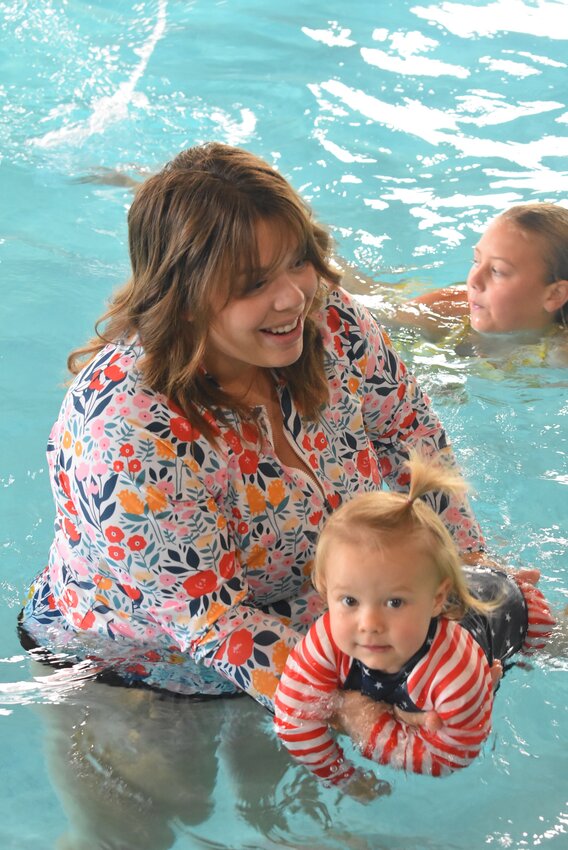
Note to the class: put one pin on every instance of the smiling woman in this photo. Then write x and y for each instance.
(215, 422)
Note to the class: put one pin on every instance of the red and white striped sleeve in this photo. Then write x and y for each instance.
(453, 680)
(314, 670)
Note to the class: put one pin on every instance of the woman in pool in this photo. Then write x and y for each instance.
(236, 396)
(518, 286)
(395, 590)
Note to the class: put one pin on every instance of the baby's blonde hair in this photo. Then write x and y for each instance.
(378, 519)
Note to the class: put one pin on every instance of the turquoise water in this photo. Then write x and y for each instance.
(407, 127)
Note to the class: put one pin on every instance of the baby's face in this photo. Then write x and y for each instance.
(381, 601)
(507, 285)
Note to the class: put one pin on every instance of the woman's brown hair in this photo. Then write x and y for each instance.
(192, 236)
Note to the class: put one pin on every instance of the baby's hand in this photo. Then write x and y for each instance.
(364, 785)
(418, 719)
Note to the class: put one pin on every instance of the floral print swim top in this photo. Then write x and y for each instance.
(185, 565)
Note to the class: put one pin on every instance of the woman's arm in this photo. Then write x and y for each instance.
(398, 416)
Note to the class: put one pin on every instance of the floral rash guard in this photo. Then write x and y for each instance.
(185, 565)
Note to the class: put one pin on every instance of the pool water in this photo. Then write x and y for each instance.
(406, 126)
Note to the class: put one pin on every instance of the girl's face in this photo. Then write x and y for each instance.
(507, 287)
(381, 601)
(263, 326)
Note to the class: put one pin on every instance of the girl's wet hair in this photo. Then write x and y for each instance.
(383, 518)
(549, 222)
(193, 243)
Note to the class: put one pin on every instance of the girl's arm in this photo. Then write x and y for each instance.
(453, 686)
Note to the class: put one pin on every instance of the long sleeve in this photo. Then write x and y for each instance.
(454, 681)
(397, 415)
(312, 674)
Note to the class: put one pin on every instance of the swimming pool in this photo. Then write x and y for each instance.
(406, 126)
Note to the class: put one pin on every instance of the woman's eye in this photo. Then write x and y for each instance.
(395, 603)
(299, 263)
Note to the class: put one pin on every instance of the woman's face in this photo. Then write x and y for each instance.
(263, 326)
(507, 286)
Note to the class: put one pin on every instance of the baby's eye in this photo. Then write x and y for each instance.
(395, 602)
(349, 601)
(497, 272)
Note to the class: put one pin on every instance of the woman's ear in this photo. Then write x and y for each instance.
(556, 296)
(441, 596)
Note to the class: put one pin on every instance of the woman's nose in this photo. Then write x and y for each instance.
(289, 294)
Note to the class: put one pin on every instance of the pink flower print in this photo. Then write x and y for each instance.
(208, 480)
(145, 416)
(168, 580)
(93, 488)
(124, 411)
(122, 628)
(167, 487)
(349, 468)
(335, 384)
(97, 428)
(100, 468)
(82, 471)
(111, 410)
(267, 539)
(453, 515)
(287, 561)
(221, 476)
(142, 401)
(126, 361)
(104, 443)
(315, 605)
(120, 398)
(302, 546)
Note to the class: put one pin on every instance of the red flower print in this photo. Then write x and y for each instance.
(313, 461)
(71, 530)
(136, 543)
(250, 432)
(116, 553)
(236, 513)
(364, 463)
(334, 500)
(200, 583)
(152, 655)
(337, 345)
(227, 565)
(70, 598)
(118, 466)
(333, 320)
(127, 450)
(137, 670)
(131, 592)
(85, 622)
(240, 647)
(51, 602)
(307, 443)
(248, 462)
(64, 483)
(408, 420)
(114, 534)
(242, 527)
(320, 441)
(114, 373)
(134, 465)
(95, 384)
(183, 429)
(386, 466)
(232, 439)
(70, 507)
(403, 479)
(315, 518)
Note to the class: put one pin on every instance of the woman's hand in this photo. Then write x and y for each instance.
(356, 715)
(364, 785)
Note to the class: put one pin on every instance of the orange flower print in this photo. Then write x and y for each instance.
(264, 682)
(257, 557)
(155, 498)
(280, 652)
(164, 448)
(131, 502)
(256, 500)
(276, 492)
(353, 385)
